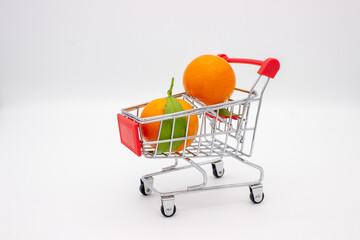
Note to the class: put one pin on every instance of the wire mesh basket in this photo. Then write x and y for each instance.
(219, 135)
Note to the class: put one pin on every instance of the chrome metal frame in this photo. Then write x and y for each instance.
(218, 137)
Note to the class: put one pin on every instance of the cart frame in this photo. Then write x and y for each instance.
(218, 137)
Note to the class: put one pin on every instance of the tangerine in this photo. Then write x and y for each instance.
(156, 107)
(210, 79)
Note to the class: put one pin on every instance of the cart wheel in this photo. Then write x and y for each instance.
(163, 211)
(218, 170)
(258, 200)
(143, 189)
(256, 193)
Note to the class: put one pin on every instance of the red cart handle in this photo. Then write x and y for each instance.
(268, 68)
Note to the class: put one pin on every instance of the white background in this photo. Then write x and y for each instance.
(67, 68)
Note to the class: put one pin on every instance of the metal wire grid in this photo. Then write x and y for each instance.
(218, 136)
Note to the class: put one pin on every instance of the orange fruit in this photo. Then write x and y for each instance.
(156, 107)
(210, 79)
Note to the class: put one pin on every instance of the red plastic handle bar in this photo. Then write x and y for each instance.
(268, 68)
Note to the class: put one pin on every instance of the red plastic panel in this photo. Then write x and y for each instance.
(269, 67)
(129, 134)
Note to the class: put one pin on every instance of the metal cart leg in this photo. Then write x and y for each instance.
(172, 166)
(256, 189)
(202, 171)
(147, 180)
(168, 207)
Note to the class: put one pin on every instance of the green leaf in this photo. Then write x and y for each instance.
(172, 106)
(226, 113)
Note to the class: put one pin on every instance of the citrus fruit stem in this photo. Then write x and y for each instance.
(169, 92)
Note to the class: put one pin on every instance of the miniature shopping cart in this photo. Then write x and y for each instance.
(219, 136)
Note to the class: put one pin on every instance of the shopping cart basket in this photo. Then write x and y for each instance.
(219, 136)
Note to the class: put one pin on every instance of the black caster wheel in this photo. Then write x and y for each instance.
(142, 189)
(259, 200)
(216, 173)
(163, 211)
